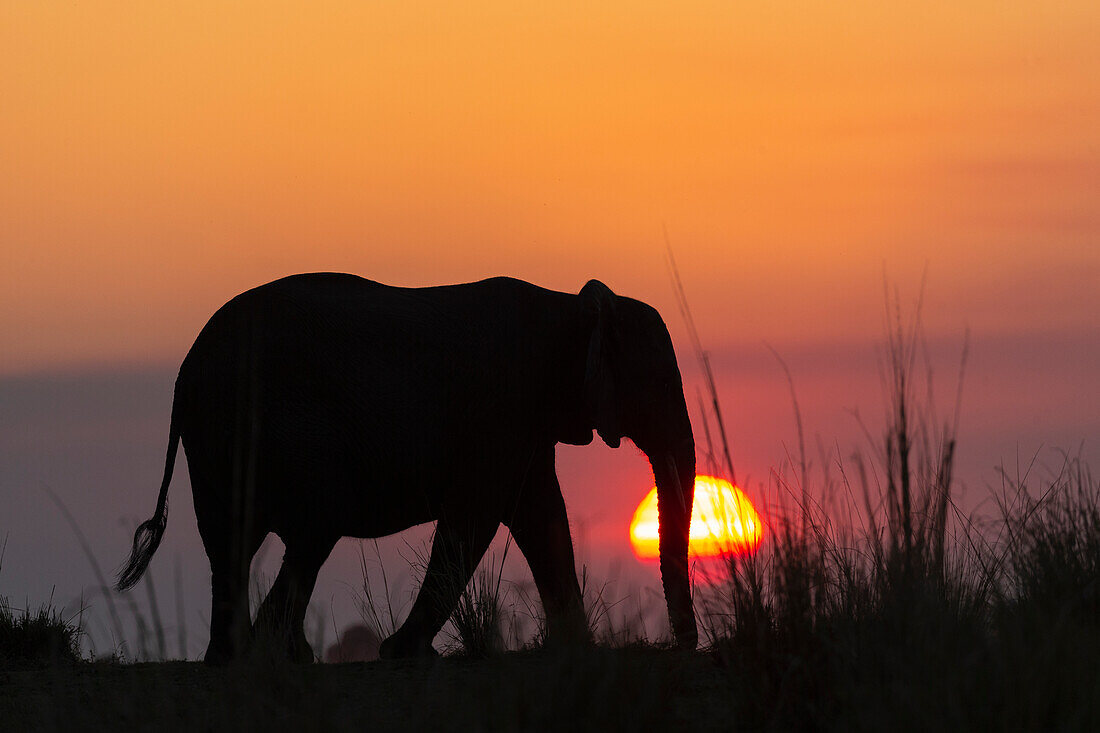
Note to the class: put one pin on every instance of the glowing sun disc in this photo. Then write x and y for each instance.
(723, 521)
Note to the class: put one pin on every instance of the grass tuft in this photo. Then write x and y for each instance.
(478, 619)
(42, 637)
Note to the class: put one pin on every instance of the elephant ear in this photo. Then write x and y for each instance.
(599, 383)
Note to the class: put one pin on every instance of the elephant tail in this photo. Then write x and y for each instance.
(149, 533)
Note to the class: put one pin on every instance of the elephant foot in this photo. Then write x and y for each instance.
(406, 646)
(568, 642)
(217, 655)
(281, 643)
(571, 640)
(301, 652)
(570, 630)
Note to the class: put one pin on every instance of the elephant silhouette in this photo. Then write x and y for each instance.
(325, 405)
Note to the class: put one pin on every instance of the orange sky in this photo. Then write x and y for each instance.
(157, 158)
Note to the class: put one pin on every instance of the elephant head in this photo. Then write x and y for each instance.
(633, 389)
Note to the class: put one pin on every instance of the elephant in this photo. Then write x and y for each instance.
(325, 405)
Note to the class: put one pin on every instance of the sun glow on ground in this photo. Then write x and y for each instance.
(723, 521)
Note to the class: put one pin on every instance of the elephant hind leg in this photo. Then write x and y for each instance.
(229, 622)
(540, 527)
(461, 539)
(231, 531)
(281, 616)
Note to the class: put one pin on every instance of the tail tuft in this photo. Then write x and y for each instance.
(146, 540)
(148, 535)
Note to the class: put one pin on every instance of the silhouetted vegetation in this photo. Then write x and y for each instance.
(478, 620)
(841, 630)
(41, 637)
(910, 615)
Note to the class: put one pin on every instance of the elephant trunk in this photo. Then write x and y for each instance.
(674, 473)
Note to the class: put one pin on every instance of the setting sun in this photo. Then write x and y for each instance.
(723, 520)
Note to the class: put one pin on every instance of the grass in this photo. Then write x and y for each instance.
(37, 638)
(910, 615)
(845, 632)
(479, 618)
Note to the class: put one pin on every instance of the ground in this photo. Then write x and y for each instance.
(602, 689)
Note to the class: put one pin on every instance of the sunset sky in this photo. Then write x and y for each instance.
(158, 158)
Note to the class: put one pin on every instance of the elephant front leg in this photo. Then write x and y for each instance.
(460, 542)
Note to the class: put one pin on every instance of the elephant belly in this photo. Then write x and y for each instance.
(366, 494)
